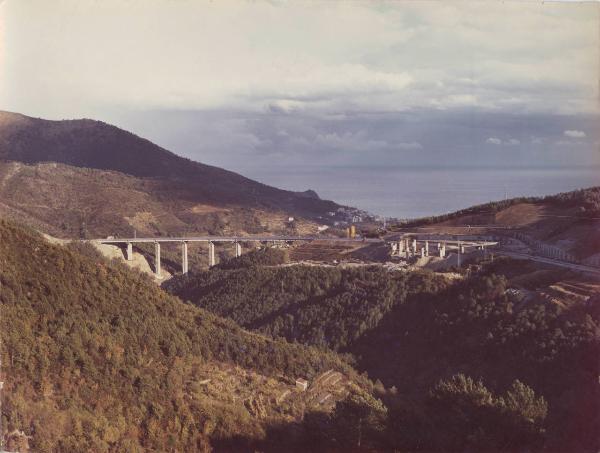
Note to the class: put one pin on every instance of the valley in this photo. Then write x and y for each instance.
(299, 226)
(160, 309)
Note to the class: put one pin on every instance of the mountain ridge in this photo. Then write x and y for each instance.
(27, 149)
(77, 175)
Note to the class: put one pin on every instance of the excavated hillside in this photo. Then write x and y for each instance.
(569, 221)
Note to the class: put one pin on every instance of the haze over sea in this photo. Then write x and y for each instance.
(409, 192)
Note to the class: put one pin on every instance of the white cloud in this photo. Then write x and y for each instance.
(408, 146)
(58, 58)
(574, 134)
(349, 141)
(569, 143)
(497, 141)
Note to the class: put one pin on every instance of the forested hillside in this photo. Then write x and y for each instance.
(315, 305)
(508, 373)
(478, 328)
(97, 358)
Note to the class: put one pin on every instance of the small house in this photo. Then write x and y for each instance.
(301, 384)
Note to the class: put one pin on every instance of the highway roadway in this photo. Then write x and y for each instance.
(236, 239)
(541, 259)
(232, 239)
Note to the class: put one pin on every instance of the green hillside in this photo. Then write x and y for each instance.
(443, 350)
(97, 358)
(315, 305)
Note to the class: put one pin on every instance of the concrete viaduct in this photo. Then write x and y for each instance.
(412, 246)
(405, 246)
(211, 240)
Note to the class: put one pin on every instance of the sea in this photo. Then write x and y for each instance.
(413, 192)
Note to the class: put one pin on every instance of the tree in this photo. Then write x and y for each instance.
(359, 420)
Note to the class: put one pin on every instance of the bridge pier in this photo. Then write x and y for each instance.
(426, 248)
(238, 249)
(414, 246)
(442, 250)
(129, 252)
(400, 247)
(184, 257)
(157, 259)
(211, 254)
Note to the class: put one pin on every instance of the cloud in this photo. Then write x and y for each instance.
(349, 141)
(569, 143)
(317, 57)
(247, 142)
(409, 145)
(497, 141)
(574, 134)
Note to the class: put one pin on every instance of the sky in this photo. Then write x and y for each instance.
(266, 87)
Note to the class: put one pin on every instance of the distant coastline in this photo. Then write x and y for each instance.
(420, 191)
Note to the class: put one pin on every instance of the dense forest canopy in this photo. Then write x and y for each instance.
(316, 305)
(97, 358)
(426, 338)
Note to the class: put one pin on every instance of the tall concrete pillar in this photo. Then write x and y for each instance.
(443, 251)
(422, 252)
(414, 246)
(238, 249)
(184, 258)
(157, 258)
(426, 248)
(211, 254)
(400, 247)
(129, 254)
(462, 249)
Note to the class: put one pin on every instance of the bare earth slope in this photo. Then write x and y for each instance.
(567, 221)
(78, 174)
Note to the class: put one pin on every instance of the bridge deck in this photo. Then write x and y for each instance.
(231, 239)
